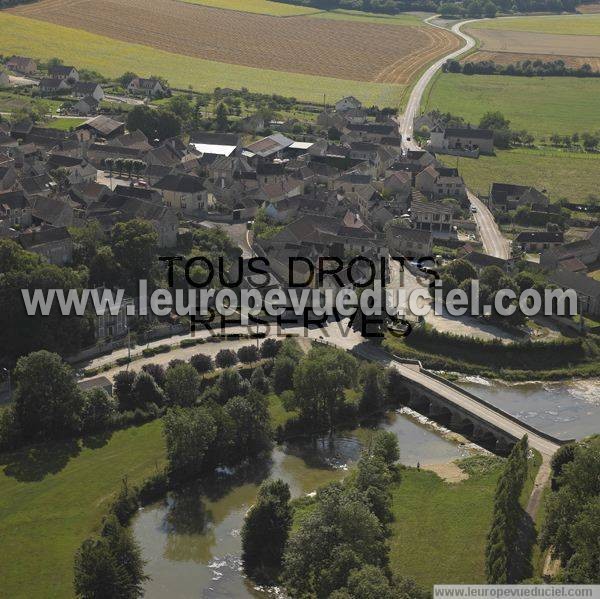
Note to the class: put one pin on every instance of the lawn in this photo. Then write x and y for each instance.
(556, 24)
(64, 124)
(562, 174)
(439, 531)
(29, 37)
(542, 106)
(49, 503)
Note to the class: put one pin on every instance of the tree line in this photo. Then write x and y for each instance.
(525, 68)
(502, 552)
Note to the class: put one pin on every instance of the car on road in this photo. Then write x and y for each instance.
(473, 209)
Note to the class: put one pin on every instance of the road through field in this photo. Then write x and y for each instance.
(493, 241)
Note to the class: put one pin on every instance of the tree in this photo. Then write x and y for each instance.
(248, 354)
(270, 348)
(157, 371)
(283, 373)
(384, 445)
(461, 270)
(123, 390)
(372, 398)
(221, 121)
(125, 79)
(226, 358)
(168, 125)
(202, 363)
(134, 244)
(319, 382)
(146, 391)
(188, 433)
(104, 270)
(265, 531)
(110, 567)
(229, 384)
(253, 429)
(48, 403)
(144, 119)
(259, 380)
(182, 383)
(98, 410)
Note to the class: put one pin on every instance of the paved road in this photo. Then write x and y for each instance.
(494, 243)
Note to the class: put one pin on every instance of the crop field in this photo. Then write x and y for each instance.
(525, 42)
(112, 58)
(589, 8)
(559, 24)
(505, 58)
(262, 7)
(345, 49)
(562, 174)
(562, 105)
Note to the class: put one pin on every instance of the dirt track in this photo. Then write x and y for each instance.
(332, 48)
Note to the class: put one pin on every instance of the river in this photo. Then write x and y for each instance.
(566, 409)
(191, 541)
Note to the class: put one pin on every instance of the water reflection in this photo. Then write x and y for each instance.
(567, 409)
(192, 539)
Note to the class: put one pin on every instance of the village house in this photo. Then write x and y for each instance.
(408, 242)
(586, 251)
(269, 147)
(347, 103)
(184, 193)
(58, 212)
(146, 87)
(4, 79)
(68, 73)
(102, 127)
(22, 65)
(479, 261)
(431, 215)
(38, 185)
(86, 106)
(439, 182)
(586, 288)
(54, 244)
(81, 89)
(53, 86)
(78, 170)
(461, 141)
(8, 175)
(537, 241)
(508, 196)
(15, 209)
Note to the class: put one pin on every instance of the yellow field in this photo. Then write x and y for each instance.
(262, 7)
(42, 40)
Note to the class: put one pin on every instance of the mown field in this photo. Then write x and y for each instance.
(262, 7)
(110, 57)
(341, 48)
(543, 106)
(51, 500)
(562, 174)
(559, 24)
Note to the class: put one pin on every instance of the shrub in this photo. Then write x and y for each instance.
(122, 361)
(187, 343)
(248, 354)
(202, 363)
(226, 358)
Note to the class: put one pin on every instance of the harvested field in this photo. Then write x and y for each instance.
(331, 48)
(506, 58)
(523, 42)
(554, 24)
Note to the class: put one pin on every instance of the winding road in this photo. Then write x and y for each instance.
(494, 243)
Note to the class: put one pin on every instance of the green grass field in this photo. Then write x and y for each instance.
(369, 17)
(543, 106)
(557, 24)
(440, 529)
(562, 174)
(19, 35)
(49, 503)
(63, 124)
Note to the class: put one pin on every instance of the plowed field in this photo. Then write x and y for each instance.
(331, 48)
(506, 58)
